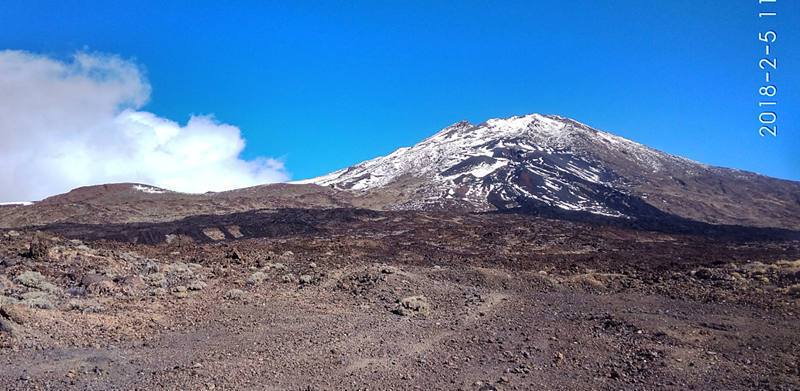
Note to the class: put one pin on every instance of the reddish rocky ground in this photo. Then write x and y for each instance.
(346, 299)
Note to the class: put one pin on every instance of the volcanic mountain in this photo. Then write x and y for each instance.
(591, 263)
(541, 164)
(551, 163)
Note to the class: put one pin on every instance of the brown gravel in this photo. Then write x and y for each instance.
(510, 302)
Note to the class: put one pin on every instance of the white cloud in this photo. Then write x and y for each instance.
(65, 124)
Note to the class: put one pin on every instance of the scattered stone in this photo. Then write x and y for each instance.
(793, 290)
(178, 268)
(158, 292)
(129, 257)
(95, 283)
(235, 231)
(86, 308)
(704, 273)
(196, 285)
(10, 320)
(8, 262)
(235, 294)
(257, 278)
(76, 291)
(235, 254)
(83, 248)
(158, 280)
(8, 326)
(151, 267)
(39, 248)
(132, 284)
(389, 269)
(287, 256)
(214, 233)
(306, 279)
(413, 305)
(36, 280)
(105, 287)
(287, 278)
(17, 313)
(180, 291)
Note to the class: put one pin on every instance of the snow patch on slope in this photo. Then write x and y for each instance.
(18, 203)
(507, 158)
(149, 189)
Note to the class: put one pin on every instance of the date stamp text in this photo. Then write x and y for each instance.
(768, 64)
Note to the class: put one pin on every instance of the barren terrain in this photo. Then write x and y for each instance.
(355, 299)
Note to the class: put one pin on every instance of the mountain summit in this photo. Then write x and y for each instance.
(541, 164)
(545, 162)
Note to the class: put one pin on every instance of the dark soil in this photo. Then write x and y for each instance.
(353, 299)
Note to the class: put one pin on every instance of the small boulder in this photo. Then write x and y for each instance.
(385, 269)
(151, 266)
(98, 284)
(12, 317)
(287, 256)
(413, 305)
(306, 279)
(8, 326)
(180, 291)
(132, 284)
(235, 255)
(105, 287)
(196, 285)
(235, 294)
(257, 278)
(288, 278)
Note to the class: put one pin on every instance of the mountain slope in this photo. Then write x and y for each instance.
(134, 203)
(537, 161)
(547, 165)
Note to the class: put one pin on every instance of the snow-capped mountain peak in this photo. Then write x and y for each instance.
(501, 163)
(544, 162)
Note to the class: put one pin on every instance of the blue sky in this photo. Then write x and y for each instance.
(324, 85)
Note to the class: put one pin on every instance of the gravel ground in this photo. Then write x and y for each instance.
(357, 300)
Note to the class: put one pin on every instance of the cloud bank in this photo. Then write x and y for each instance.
(65, 124)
